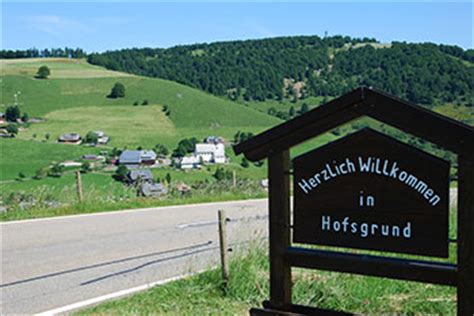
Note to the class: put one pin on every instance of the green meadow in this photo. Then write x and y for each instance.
(74, 100)
(27, 156)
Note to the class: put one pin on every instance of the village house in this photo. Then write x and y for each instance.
(137, 157)
(102, 139)
(142, 179)
(214, 140)
(190, 162)
(71, 138)
(203, 153)
(149, 189)
(214, 153)
(142, 175)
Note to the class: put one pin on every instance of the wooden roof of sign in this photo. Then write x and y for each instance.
(363, 101)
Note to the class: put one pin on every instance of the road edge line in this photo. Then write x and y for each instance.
(114, 295)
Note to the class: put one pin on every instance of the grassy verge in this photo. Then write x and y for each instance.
(96, 202)
(248, 287)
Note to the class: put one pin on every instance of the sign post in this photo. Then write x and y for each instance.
(367, 191)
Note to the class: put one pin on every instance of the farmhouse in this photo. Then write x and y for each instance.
(150, 189)
(143, 175)
(191, 162)
(137, 157)
(71, 138)
(214, 140)
(93, 157)
(102, 139)
(214, 153)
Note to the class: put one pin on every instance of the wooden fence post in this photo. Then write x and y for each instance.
(234, 179)
(223, 246)
(80, 196)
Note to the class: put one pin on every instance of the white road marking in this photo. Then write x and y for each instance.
(115, 295)
(126, 211)
(196, 224)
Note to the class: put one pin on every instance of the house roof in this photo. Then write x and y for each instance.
(70, 137)
(136, 156)
(130, 156)
(148, 154)
(144, 174)
(149, 189)
(409, 117)
(189, 160)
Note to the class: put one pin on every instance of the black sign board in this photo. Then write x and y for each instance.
(367, 191)
(370, 191)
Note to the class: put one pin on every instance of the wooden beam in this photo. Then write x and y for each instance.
(297, 130)
(466, 235)
(403, 269)
(409, 117)
(279, 230)
(418, 121)
(294, 309)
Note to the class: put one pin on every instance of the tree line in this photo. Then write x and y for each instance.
(257, 69)
(38, 53)
(297, 67)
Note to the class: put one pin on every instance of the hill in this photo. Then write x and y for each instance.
(302, 66)
(74, 98)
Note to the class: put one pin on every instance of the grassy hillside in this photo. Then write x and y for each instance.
(74, 100)
(85, 85)
(28, 156)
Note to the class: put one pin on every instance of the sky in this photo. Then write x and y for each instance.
(97, 27)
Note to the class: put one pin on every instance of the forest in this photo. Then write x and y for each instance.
(302, 66)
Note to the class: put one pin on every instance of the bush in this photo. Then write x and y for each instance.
(161, 150)
(86, 167)
(221, 174)
(12, 113)
(56, 171)
(121, 173)
(245, 163)
(91, 138)
(118, 91)
(12, 129)
(145, 102)
(43, 72)
(41, 173)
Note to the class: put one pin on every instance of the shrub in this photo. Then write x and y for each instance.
(43, 72)
(12, 129)
(121, 173)
(118, 91)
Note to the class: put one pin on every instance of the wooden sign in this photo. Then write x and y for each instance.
(370, 191)
(367, 191)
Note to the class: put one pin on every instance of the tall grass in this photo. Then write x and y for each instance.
(203, 294)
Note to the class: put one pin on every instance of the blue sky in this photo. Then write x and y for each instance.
(112, 25)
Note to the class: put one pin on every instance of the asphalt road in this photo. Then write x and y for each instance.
(50, 263)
